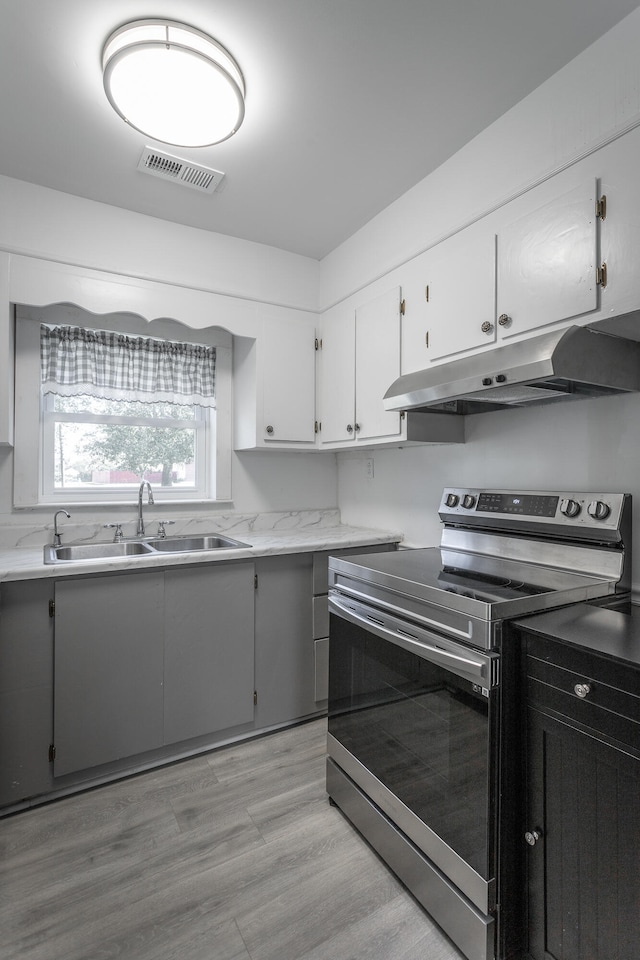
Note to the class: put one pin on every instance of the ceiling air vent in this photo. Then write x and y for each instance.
(192, 175)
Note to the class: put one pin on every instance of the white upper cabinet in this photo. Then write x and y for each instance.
(6, 356)
(450, 298)
(337, 364)
(274, 383)
(288, 382)
(547, 261)
(360, 359)
(377, 365)
(620, 229)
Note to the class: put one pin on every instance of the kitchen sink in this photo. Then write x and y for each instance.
(75, 552)
(95, 551)
(189, 544)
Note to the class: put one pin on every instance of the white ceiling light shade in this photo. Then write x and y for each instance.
(173, 83)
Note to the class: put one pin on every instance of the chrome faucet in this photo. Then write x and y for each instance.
(145, 483)
(57, 537)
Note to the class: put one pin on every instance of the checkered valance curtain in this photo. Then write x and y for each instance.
(75, 361)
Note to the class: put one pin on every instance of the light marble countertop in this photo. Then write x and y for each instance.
(26, 563)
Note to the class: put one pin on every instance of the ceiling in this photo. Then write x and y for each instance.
(349, 102)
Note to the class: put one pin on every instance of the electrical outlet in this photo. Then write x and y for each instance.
(369, 469)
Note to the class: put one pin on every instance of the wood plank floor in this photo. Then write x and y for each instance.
(236, 855)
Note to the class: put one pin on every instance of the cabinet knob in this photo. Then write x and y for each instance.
(532, 836)
(582, 690)
(356, 427)
(486, 327)
(349, 428)
(504, 320)
(269, 430)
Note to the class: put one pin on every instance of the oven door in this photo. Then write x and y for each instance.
(412, 720)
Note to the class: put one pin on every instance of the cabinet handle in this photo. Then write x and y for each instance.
(486, 327)
(349, 428)
(582, 690)
(532, 836)
(269, 430)
(504, 320)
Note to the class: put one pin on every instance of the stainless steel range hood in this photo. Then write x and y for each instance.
(563, 365)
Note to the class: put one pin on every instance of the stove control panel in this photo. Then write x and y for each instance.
(594, 515)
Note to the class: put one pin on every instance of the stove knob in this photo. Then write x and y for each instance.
(570, 508)
(468, 501)
(452, 500)
(598, 510)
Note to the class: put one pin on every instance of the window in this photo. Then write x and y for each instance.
(112, 408)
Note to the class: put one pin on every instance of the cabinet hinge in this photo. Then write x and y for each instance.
(403, 414)
(318, 344)
(52, 608)
(255, 581)
(52, 753)
(601, 275)
(426, 339)
(255, 698)
(402, 307)
(601, 207)
(426, 293)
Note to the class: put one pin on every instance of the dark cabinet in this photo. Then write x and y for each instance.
(582, 828)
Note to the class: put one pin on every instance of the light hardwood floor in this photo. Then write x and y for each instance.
(236, 855)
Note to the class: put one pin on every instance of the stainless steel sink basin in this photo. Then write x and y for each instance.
(74, 552)
(95, 551)
(188, 544)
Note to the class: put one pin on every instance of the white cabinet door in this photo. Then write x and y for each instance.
(6, 356)
(377, 365)
(288, 358)
(450, 299)
(547, 262)
(337, 376)
(620, 229)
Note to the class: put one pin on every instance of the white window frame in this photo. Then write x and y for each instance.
(31, 460)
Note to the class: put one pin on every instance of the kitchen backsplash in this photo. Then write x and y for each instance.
(38, 533)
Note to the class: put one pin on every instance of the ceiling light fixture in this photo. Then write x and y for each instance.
(173, 83)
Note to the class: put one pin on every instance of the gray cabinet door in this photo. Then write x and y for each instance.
(108, 662)
(26, 689)
(284, 639)
(209, 665)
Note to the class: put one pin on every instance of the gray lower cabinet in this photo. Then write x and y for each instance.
(209, 649)
(26, 689)
(321, 614)
(108, 669)
(284, 648)
(141, 667)
(149, 659)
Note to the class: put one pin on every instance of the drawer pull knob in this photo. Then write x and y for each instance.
(532, 836)
(582, 690)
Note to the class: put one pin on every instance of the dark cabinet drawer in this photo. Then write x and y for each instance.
(597, 693)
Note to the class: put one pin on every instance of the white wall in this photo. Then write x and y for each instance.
(590, 445)
(44, 223)
(586, 445)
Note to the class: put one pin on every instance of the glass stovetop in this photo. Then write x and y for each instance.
(477, 584)
(485, 587)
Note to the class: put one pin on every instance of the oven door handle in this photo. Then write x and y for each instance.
(479, 668)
